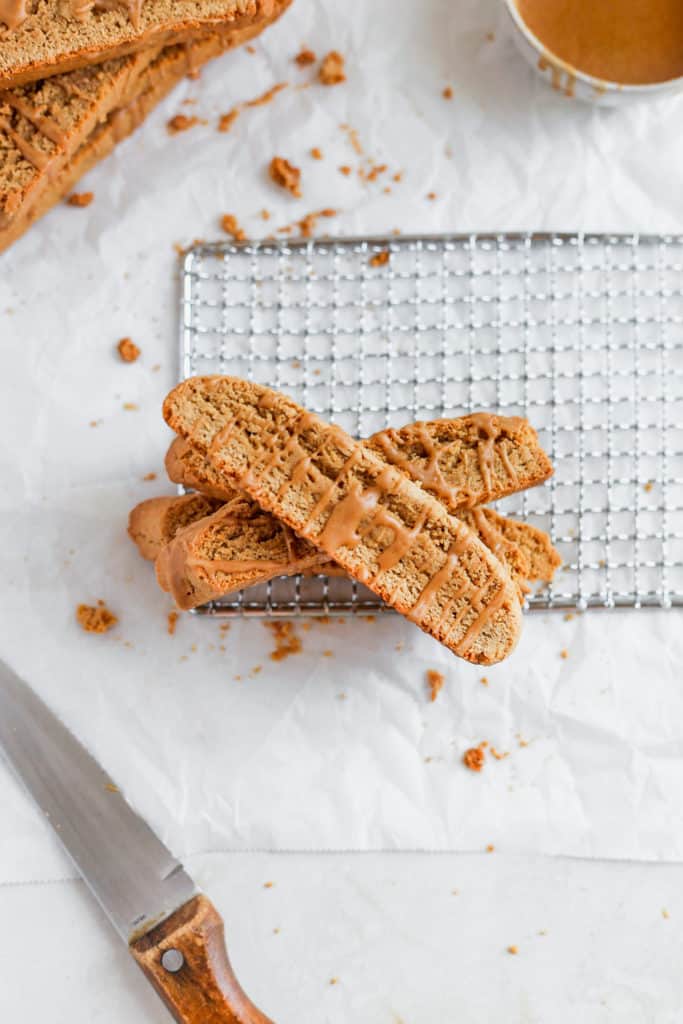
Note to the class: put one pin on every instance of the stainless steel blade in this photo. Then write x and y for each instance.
(134, 876)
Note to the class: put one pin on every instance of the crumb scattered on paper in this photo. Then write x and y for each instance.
(267, 96)
(80, 199)
(435, 681)
(474, 758)
(564, 653)
(286, 639)
(130, 406)
(498, 754)
(345, 170)
(490, 848)
(231, 227)
(95, 618)
(484, 681)
(316, 153)
(513, 950)
(128, 350)
(181, 123)
(332, 69)
(227, 120)
(111, 788)
(285, 175)
(447, 93)
(665, 914)
(149, 476)
(172, 622)
(305, 57)
(431, 195)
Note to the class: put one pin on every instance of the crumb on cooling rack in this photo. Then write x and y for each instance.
(149, 476)
(231, 227)
(227, 120)
(648, 486)
(435, 681)
(513, 950)
(380, 259)
(305, 57)
(447, 92)
(128, 351)
(316, 153)
(474, 758)
(172, 622)
(332, 69)
(286, 639)
(95, 618)
(285, 175)
(80, 199)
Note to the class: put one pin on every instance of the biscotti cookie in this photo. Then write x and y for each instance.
(468, 461)
(543, 559)
(186, 465)
(39, 38)
(238, 546)
(153, 83)
(383, 529)
(155, 522)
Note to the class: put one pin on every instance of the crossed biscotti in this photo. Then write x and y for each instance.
(369, 517)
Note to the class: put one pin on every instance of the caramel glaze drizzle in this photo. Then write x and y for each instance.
(80, 9)
(343, 526)
(12, 13)
(430, 475)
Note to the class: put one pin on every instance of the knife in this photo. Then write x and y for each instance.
(173, 931)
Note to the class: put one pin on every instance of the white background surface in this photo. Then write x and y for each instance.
(279, 761)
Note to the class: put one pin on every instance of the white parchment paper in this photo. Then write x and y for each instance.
(337, 747)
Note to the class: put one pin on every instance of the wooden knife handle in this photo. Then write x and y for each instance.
(186, 960)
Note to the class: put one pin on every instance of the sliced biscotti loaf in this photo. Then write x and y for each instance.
(155, 522)
(43, 124)
(238, 546)
(467, 461)
(382, 528)
(544, 560)
(153, 83)
(40, 38)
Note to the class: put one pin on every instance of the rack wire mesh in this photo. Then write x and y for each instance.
(582, 334)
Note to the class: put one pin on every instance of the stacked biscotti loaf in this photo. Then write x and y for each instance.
(53, 129)
(279, 492)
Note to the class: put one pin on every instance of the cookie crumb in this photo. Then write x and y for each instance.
(305, 57)
(95, 618)
(665, 914)
(268, 885)
(513, 950)
(80, 199)
(490, 848)
(345, 170)
(435, 681)
(231, 227)
(172, 622)
(285, 175)
(499, 755)
(267, 96)
(250, 49)
(130, 406)
(474, 759)
(332, 69)
(447, 93)
(484, 681)
(568, 616)
(648, 486)
(128, 350)
(181, 123)
(328, 654)
(227, 120)
(490, 36)
(111, 788)
(334, 981)
(287, 641)
(265, 214)
(380, 259)
(149, 476)
(316, 153)
(564, 653)
(431, 195)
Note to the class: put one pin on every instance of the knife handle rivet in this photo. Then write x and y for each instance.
(172, 960)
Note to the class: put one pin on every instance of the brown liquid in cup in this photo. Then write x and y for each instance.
(634, 42)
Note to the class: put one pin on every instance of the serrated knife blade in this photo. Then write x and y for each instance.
(174, 932)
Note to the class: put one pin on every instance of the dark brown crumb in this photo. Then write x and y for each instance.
(181, 123)
(332, 69)
(447, 93)
(305, 57)
(149, 476)
(474, 759)
(317, 153)
(435, 681)
(95, 618)
(231, 227)
(80, 199)
(285, 175)
(227, 120)
(266, 96)
(128, 350)
(380, 259)
(345, 169)
(286, 640)
(172, 622)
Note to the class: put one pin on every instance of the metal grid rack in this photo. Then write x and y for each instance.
(582, 334)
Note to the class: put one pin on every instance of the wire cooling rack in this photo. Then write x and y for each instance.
(582, 334)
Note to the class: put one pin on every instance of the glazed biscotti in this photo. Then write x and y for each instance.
(372, 520)
(30, 191)
(40, 38)
(155, 522)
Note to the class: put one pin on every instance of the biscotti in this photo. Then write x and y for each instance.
(382, 528)
(155, 522)
(40, 38)
(151, 85)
